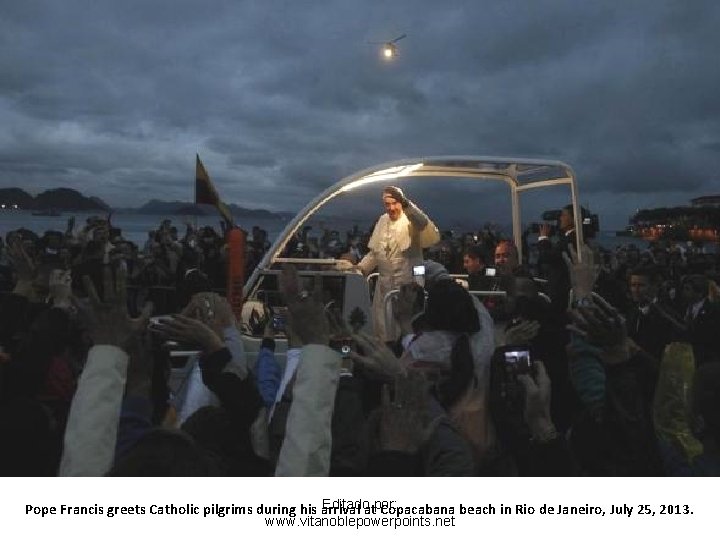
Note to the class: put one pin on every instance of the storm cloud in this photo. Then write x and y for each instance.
(281, 98)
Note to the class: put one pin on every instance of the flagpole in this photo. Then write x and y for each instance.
(235, 237)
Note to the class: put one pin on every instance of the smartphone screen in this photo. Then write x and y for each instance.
(518, 359)
(490, 272)
(278, 321)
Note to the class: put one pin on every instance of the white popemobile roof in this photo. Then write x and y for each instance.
(519, 174)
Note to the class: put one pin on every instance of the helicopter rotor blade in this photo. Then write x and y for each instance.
(399, 38)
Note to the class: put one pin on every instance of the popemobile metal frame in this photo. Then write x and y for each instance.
(520, 175)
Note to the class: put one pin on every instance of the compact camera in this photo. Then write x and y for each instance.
(342, 345)
(419, 274)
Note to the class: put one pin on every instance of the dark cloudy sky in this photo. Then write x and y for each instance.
(281, 98)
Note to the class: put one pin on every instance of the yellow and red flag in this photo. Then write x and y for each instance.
(205, 192)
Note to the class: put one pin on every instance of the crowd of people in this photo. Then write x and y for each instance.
(598, 362)
(166, 269)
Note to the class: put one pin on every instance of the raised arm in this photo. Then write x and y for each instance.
(423, 226)
(308, 438)
(92, 426)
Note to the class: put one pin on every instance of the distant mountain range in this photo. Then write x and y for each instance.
(52, 199)
(181, 208)
(66, 199)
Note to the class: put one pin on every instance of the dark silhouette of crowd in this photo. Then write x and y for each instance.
(599, 362)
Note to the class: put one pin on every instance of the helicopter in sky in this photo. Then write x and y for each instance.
(389, 48)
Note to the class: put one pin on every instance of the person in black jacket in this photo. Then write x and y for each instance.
(550, 257)
(475, 262)
(646, 326)
(649, 330)
(703, 320)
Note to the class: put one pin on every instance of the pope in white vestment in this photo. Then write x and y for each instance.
(395, 247)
